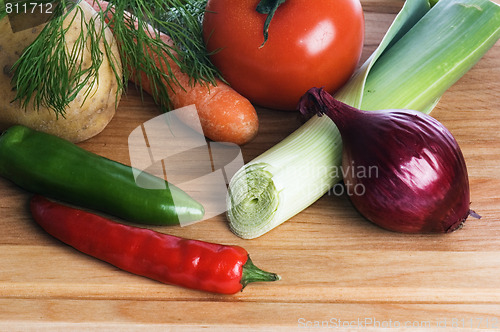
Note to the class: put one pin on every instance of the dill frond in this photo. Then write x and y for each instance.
(51, 75)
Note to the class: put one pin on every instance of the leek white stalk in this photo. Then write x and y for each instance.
(424, 52)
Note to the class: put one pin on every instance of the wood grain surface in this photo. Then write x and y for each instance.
(337, 269)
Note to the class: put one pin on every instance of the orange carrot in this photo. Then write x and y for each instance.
(225, 115)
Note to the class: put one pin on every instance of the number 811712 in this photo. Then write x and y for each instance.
(28, 8)
(475, 323)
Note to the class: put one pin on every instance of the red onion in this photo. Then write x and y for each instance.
(404, 169)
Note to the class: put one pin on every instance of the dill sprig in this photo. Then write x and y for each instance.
(3, 10)
(189, 41)
(51, 75)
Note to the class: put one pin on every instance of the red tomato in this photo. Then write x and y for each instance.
(311, 44)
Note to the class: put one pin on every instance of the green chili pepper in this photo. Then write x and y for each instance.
(51, 166)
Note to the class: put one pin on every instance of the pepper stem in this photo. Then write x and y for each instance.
(268, 7)
(252, 273)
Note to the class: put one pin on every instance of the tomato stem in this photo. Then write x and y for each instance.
(268, 7)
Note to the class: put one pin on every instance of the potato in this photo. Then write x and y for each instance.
(81, 121)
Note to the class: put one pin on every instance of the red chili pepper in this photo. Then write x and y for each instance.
(173, 260)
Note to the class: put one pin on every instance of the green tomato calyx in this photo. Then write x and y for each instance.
(268, 7)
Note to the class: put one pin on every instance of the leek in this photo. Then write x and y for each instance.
(425, 51)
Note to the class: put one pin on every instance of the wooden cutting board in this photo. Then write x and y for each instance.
(337, 269)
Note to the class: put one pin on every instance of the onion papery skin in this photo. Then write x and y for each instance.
(403, 170)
